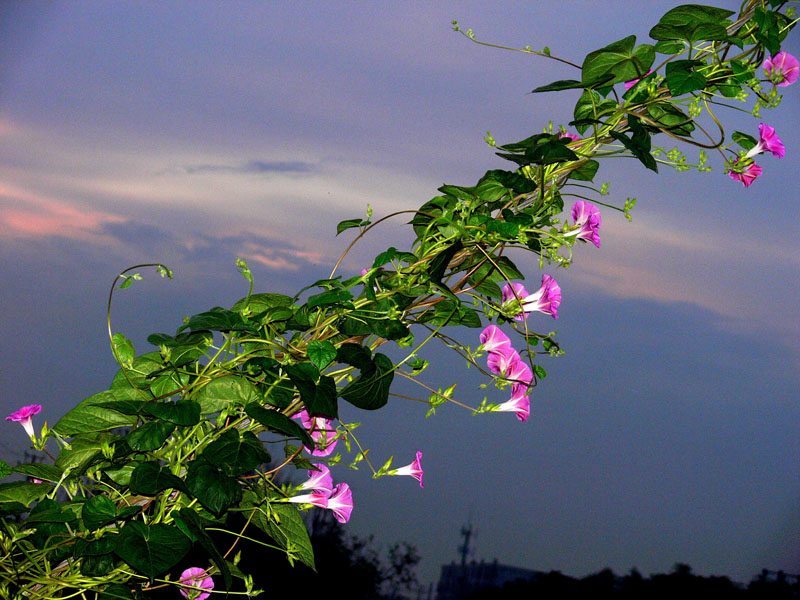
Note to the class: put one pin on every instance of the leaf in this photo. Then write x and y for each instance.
(347, 224)
(212, 488)
(5, 469)
(354, 355)
(23, 491)
(321, 353)
(669, 47)
(122, 348)
(448, 313)
(591, 106)
(586, 171)
(638, 144)
(439, 262)
(284, 524)
(745, 141)
(88, 417)
(370, 390)
(185, 413)
(168, 383)
(142, 366)
(97, 556)
(149, 478)
(682, 78)
(216, 319)
(149, 436)
(258, 303)
(151, 550)
(234, 453)
(693, 23)
(278, 422)
(83, 451)
(620, 60)
(183, 348)
(328, 298)
(40, 471)
(194, 524)
(50, 511)
(221, 392)
(671, 118)
(98, 511)
(571, 84)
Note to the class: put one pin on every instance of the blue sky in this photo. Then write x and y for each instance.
(193, 133)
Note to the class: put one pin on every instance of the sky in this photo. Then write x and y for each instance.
(193, 133)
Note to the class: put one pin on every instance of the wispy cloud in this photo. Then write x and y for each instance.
(254, 167)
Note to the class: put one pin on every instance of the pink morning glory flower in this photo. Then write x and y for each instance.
(572, 137)
(520, 406)
(320, 480)
(317, 498)
(769, 142)
(341, 502)
(546, 299)
(414, 469)
(494, 340)
(587, 219)
(747, 174)
(633, 82)
(321, 432)
(199, 580)
(520, 376)
(502, 362)
(24, 416)
(782, 69)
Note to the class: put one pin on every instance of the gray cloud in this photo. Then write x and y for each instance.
(254, 166)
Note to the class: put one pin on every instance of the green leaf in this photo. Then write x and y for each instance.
(5, 469)
(150, 436)
(122, 348)
(328, 298)
(745, 141)
(347, 224)
(586, 171)
(591, 106)
(168, 383)
(151, 550)
(23, 491)
(620, 60)
(83, 451)
(439, 262)
(216, 319)
(50, 511)
(221, 392)
(323, 400)
(671, 118)
(149, 478)
(669, 47)
(185, 413)
(258, 303)
(278, 422)
(682, 77)
(88, 417)
(40, 471)
(638, 144)
(321, 353)
(97, 556)
(212, 488)
(572, 84)
(284, 524)
(137, 373)
(235, 454)
(98, 511)
(693, 23)
(370, 390)
(447, 313)
(183, 348)
(192, 523)
(508, 231)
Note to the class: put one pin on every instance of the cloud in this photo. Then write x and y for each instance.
(254, 167)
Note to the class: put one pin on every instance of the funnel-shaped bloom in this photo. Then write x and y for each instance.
(322, 432)
(341, 502)
(546, 299)
(493, 339)
(320, 480)
(747, 174)
(587, 219)
(502, 362)
(317, 498)
(24, 416)
(414, 469)
(519, 406)
(782, 69)
(520, 375)
(769, 142)
(199, 580)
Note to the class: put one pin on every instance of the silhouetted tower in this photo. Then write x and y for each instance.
(464, 549)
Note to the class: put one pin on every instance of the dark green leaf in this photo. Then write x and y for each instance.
(212, 488)
(5, 469)
(137, 373)
(620, 60)
(669, 47)
(638, 143)
(23, 492)
(149, 478)
(370, 390)
(216, 319)
(671, 118)
(183, 412)
(591, 106)
(122, 348)
(221, 392)
(284, 524)
(745, 141)
(196, 531)
(323, 401)
(98, 511)
(258, 303)
(83, 451)
(693, 23)
(151, 550)
(448, 313)
(347, 224)
(40, 471)
(50, 511)
(321, 353)
(184, 348)
(572, 84)
(88, 417)
(235, 454)
(328, 298)
(168, 383)
(439, 263)
(278, 422)
(149, 436)
(682, 77)
(586, 171)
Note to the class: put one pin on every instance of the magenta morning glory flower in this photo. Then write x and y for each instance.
(587, 219)
(317, 498)
(199, 580)
(782, 69)
(494, 340)
(320, 480)
(546, 299)
(321, 431)
(24, 416)
(747, 174)
(341, 502)
(414, 469)
(633, 82)
(520, 406)
(502, 362)
(769, 142)
(572, 137)
(520, 376)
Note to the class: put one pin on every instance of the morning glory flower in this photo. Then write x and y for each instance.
(199, 580)
(587, 219)
(520, 406)
(341, 502)
(747, 174)
(769, 142)
(494, 340)
(546, 299)
(633, 82)
(572, 137)
(502, 362)
(782, 69)
(318, 498)
(320, 480)
(321, 431)
(414, 469)
(24, 416)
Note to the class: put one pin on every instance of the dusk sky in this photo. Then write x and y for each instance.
(193, 133)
